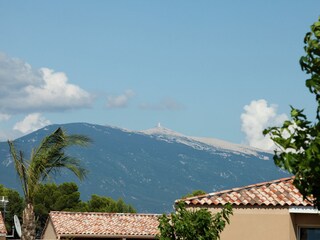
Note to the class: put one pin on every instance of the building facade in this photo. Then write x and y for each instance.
(271, 210)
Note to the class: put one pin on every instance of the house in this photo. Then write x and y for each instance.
(269, 210)
(3, 230)
(91, 225)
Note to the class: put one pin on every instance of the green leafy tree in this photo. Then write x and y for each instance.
(298, 139)
(187, 224)
(106, 204)
(46, 160)
(50, 197)
(66, 197)
(14, 206)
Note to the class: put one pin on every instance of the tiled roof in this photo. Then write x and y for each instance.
(2, 226)
(104, 224)
(279, 192)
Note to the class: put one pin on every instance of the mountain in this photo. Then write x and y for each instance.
(150, 169)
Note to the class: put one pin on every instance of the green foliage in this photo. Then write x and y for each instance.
(48, 158)
(50, 197)
(66, 197)
(107, 204)
(14, 206)
(188, 224)
(194, 193)
(299, 139)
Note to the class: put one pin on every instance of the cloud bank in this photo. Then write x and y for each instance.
(4, 117)
(28, 90)
(258, 116)
(120, 101)
(31, 123)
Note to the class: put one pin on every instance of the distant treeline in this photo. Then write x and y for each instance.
(63, 197)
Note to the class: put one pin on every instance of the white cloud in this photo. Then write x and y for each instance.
(165, 104)
(257, 117)
(120, 101)
(8, 135)
(4, 117)
(31, 122)
(24, 89)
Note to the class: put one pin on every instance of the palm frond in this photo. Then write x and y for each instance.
(50, 155)
(78, 140)
(48, 158)
(66, 162)
(21, 168)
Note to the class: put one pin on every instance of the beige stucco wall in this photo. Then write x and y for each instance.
(49, 232)
(252, 223)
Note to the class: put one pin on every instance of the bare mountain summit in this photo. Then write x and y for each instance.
(163, 133)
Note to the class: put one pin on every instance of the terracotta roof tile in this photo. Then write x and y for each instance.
(104, 224)
(2, 225)
(278, 192)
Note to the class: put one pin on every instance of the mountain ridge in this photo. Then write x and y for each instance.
(214, 142)
(148, 170)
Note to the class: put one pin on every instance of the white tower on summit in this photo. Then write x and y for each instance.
(159, 125)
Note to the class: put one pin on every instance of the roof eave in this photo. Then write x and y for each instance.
(303, 209)
(106, 236)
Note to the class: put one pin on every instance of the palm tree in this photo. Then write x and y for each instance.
(47, 159)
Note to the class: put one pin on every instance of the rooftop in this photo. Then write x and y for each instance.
(104, 224)
(3, 230)
(279, 192)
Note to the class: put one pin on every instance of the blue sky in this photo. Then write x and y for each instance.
(191, 65)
